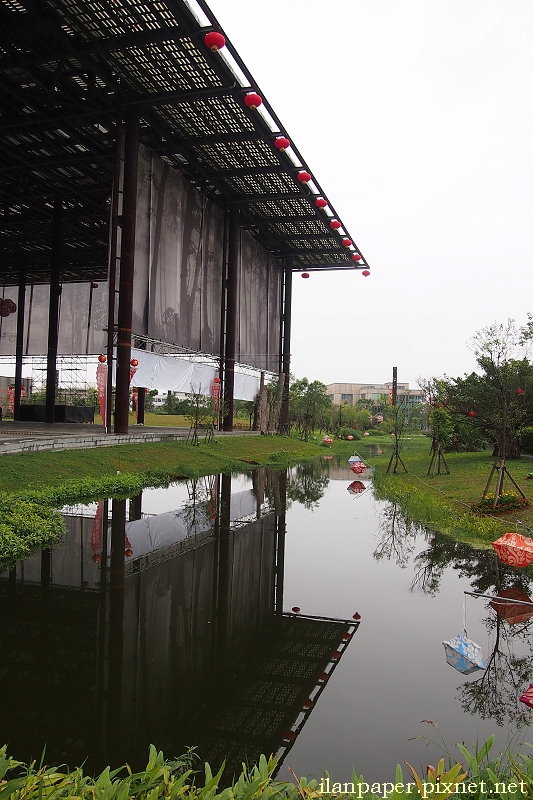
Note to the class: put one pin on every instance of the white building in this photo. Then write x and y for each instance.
(350, 393)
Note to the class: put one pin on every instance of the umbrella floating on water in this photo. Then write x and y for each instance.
(514, 549)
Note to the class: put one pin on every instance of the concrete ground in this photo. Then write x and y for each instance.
(30, 437)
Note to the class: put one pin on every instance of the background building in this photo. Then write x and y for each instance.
(350, 393)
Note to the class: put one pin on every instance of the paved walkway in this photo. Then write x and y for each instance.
(30, 437)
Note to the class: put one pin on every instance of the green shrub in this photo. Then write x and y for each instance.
(527, 439)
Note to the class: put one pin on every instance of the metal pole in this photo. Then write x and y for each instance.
(141, 396)
(127, 262)
(234, 252)
(286, 360)
(53, 312)
(19, 347)
(112, 277)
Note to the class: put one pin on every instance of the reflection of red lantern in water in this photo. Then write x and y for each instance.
(356, 487)
(513, 613)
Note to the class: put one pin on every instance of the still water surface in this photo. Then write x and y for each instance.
(184, 632)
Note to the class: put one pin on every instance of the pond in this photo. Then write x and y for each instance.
(287, 612)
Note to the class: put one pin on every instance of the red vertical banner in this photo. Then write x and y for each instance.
(135, 393)
(11, 394)
(215, 393)
(96, 535)
(101, 386)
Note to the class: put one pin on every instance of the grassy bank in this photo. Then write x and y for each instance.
(443, 502)
(176, 459)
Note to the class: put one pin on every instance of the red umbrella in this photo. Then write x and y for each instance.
(514, 549)
(513, 613)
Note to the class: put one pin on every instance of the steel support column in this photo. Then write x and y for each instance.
(141, 397)
(286, 351)
(19, 346)
(234, 252)
(127, 263)
(53, 312)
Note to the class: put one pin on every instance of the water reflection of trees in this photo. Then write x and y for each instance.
(494, 695)
(307, 483)
(398, 536)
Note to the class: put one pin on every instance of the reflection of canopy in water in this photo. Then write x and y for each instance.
(162, 530)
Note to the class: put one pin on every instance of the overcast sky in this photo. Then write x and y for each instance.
(416, 118)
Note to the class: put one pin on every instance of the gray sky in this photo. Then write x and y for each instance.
(416, 118)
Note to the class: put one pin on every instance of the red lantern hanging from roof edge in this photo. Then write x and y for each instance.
(134, 362)
(305, 274)
(304, 177)
(252, 100)
(320, 202)
(214, 40)
(216, 380)
(281, 143)
(334, 224)
(102, 359)
(357, 257)
(366, 273)
(346, 242)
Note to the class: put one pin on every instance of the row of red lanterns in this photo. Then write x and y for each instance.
(215, 41)
(102, 359)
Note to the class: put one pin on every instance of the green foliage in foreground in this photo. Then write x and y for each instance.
(25, 527)
(478, 776)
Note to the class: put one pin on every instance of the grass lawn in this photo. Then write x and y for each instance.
(172, 421)
(464, 485)
(43, 469)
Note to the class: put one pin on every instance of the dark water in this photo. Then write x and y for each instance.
(184, 633)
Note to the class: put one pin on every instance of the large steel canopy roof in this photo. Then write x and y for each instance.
(69, 70)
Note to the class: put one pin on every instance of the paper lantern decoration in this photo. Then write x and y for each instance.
(527, 697)
(252, 100)
(520, 391)
(358, 469)
(357, 257)
(304, 177)
(346, 242)
(216, 380)
(281, 143)
(322, 677)
(335, 655)
(356, 487)
(514, 549)
(334, 224)
(102, 359)
(320, 202)
(305, 274)
(350, 437)
(463, 654)
(288, 736)
(307, 703)
(94, 285)
(356, 616)
(471, 413)
(513, 613)
(365, 273)
(214, 40)
(354, 459)
(296, 609)
(134, 362)
(128, 552)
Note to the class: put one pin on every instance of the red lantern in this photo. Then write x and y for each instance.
(346, 637)
(102, 359)
(252, 100)
(335, 655)
(520, 391)
(334, 224)
(304, 177)
(216, 380)
(356, 616)
(97, 557)
(94, 285)
(471, 413)
(134, 362)
(305, 274)
(366, 273)
(296, 609)
(346, 242)
(214, 40)
(320, 202)
(307, 703)
(281, 143)
(128, 552)
(288, 736)
(322, 677)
